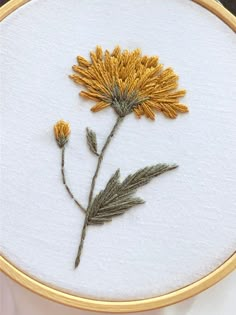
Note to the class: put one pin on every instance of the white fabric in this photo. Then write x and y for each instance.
(219, 300)
(187, 227)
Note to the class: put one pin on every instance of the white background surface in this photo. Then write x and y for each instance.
(218, 300)
(187, 227)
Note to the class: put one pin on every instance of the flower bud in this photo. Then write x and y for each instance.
(62, 132)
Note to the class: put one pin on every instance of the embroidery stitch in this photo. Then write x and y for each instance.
(92, 141)
(128, 82)
(62, 133)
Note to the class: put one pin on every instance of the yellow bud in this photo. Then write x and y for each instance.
(62, 132)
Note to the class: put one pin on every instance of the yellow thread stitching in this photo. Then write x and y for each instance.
(62, 132)
(128, 76)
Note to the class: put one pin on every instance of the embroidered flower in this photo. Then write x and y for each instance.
(128, 81)
(62, 132)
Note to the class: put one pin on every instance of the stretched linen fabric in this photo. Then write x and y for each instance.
(190, 227)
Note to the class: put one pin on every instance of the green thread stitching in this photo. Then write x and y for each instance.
(64, 179)
(100, 159)
(92, 141)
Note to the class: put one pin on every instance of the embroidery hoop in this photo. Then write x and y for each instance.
(129, 306)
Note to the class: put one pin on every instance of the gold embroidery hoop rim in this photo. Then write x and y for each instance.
(68, 299)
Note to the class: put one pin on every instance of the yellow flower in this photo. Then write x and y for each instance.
(61, 132)
(128, 81)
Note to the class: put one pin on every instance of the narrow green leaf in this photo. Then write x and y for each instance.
(118, 197)
(92, 140)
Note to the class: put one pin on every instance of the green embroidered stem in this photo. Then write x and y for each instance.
(118, 121)
(64, 179)
(100, 158)
(81, 245)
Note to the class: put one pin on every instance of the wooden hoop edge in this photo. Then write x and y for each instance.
(211, 5)
(118, 307)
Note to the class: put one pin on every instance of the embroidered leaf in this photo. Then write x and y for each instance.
(92, 141)
(118, 197)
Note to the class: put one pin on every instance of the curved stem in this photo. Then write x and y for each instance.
(100, 159)
(64, 180)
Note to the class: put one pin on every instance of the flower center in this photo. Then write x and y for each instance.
(124, 102)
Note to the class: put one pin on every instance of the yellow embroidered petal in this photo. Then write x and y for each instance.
(82, 71)
(116, 52)
(99, 106)
(180, 108)
(137, 112)
(83, 62)
(90, 95)
(169, 111)
(154, 105)
(75, 78)
(160, 92)
(148, 111)
(152, 62)
(177, 94)
(144, 60)
(99, 53)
